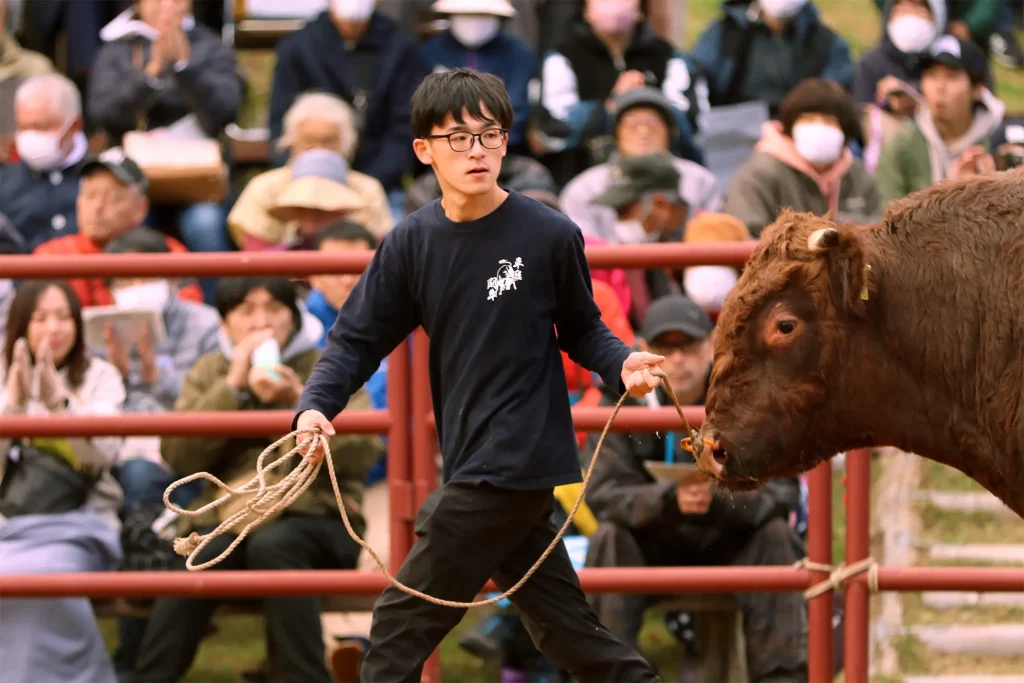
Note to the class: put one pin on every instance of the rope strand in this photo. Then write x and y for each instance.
(293, 485)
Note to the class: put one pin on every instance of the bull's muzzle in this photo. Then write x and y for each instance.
(710, 456)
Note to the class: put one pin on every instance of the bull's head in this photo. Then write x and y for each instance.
(780, 334)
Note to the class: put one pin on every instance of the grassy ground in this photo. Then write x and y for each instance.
(957, 528)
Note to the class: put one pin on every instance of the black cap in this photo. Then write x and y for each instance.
(676, 313)
(646, 96)
(123, 168)
(962, 55)
(637, 175)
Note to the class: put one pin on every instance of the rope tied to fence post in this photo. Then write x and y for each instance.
(838, 576)
(270, 499)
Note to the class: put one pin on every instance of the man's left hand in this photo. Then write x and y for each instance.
(636, 373)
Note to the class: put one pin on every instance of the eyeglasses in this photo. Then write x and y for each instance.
(493, 138)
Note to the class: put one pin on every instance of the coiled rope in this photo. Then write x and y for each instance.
(271, 499)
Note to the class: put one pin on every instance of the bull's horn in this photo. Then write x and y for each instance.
(822, 239)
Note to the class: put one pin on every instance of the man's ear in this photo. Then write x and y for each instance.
(422, 149)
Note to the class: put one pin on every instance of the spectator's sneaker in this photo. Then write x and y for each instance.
(347, 661)
(1005, 49)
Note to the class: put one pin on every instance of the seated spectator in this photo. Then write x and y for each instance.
(365, 58)
(153, 375)
(160, 70)
(283, 208)
(741, 53)
(643, 522)
(644, 124)
(38, 193)
(648, 208)
(16, 64)
(973, 20)
(46, 371)
(475, 39)
(111, 202)
(803, 161)
(708, 285)
(610, 53)
(888, 75)
(307, 535)
(950, 131)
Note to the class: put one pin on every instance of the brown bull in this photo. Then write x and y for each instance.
(906, 333)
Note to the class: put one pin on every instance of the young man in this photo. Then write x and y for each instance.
(489, 275)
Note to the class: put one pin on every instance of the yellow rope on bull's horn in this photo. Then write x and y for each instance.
(270, 499)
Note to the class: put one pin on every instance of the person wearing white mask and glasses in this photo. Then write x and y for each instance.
(475, 39)
(38, 193)
(803, 162)
(361, 55)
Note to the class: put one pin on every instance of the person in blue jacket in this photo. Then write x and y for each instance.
(476, 39)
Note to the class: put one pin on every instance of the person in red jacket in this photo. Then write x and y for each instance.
(111, 201)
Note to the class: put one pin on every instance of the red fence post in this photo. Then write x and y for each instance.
(400, 493)
(858, 539)
(820, 667)
(424, 450)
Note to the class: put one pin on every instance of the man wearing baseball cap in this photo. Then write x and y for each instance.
(951, 134)
(111, 201)
(651, 519)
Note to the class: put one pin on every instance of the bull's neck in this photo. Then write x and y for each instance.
(907, 388)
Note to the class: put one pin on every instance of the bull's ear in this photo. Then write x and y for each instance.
(849, 271)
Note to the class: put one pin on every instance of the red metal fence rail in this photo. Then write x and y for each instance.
(408, 422)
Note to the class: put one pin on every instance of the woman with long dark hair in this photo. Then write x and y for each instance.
(58, 499)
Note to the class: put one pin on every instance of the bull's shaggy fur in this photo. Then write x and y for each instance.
(932, 361)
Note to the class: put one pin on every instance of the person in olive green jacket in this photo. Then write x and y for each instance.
(949, 135)
(309, 534)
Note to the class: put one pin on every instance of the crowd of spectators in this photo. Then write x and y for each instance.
(118, 124)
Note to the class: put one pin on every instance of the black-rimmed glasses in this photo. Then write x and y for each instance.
(462, 141)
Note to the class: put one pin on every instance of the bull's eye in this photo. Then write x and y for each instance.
(786, 326)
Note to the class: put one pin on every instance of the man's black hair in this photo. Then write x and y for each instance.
(343, 229)
(448, 93)
(140, 240)
(231, 292)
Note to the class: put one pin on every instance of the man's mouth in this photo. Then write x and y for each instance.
(477, 172)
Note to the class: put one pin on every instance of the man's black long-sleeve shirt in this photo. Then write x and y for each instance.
(490, 294)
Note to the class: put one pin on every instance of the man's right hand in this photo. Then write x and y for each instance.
(309, 445)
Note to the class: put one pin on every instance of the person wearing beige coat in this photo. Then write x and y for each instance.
(265, 217)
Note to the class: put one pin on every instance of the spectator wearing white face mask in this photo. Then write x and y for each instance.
(38, 193)
(476, 40)
(802, 161)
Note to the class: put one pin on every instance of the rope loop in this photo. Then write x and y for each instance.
(270, 499)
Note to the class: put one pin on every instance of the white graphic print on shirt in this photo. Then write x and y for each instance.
(508, 274)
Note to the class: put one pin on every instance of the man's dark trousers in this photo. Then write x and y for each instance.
(468, 533)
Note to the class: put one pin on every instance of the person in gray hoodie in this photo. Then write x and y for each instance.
(153, 376)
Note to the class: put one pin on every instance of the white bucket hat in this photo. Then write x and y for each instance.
(500, 8)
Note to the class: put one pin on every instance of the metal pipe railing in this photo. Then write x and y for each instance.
(294, 263)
